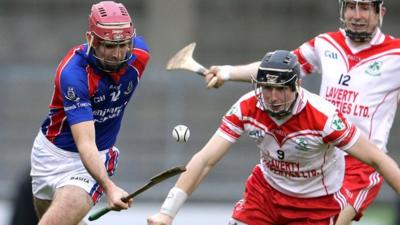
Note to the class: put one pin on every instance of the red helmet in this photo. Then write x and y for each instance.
(110, 21)
(110, 25)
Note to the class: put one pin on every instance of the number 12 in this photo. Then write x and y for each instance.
(344, 80)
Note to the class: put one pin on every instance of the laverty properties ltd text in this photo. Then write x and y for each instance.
(344, 100)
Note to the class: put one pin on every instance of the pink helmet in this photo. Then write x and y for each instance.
(110, 21)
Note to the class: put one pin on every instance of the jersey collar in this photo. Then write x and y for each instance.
(300, 103)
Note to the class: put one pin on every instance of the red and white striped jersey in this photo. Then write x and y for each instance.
(298, 154)
(363, 82)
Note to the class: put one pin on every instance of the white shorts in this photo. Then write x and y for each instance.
(52, 168)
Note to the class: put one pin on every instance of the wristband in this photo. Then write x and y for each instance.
(225, 72)
(174, 201)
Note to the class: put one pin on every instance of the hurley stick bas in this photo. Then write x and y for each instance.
(153, 181)
(183, 59)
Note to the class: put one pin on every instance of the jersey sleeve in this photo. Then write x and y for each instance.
(142, 54)
(340, 132)
(231, 127)
(308, 58)
(73, 87)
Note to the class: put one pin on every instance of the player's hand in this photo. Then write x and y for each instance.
(159, 219)
(213, 73)
(114, 195)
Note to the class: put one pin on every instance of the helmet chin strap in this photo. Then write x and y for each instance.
(90, 44)
(358, 36)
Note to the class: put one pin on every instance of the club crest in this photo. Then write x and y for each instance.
(374, 68)
(232, 110)
(71, 94)
(302, 144)
(337, 123)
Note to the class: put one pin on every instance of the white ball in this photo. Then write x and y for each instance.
(181, 133)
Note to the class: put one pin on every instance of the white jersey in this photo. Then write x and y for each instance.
(298, 154)
(363, 82)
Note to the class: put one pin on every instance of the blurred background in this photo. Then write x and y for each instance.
(36, 34)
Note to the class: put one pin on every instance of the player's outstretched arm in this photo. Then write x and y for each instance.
(84, 136)
(369, 153)
(197, 168)
(224, 73)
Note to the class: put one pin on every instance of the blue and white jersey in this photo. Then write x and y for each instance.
(83, 92)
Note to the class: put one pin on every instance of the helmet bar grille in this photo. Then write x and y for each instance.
(287, 60)
(103, 12)
(123, 11)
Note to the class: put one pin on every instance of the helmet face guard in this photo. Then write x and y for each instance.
(112, 55)
(110, 34)
(374, 7)
(277, 76)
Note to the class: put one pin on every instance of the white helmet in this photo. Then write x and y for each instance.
(360, 36)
